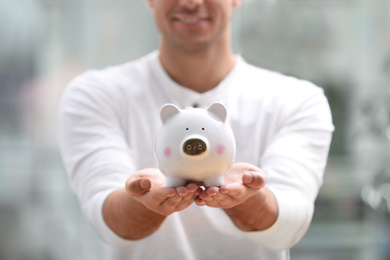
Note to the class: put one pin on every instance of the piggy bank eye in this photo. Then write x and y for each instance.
(202, 128)
(187, 128)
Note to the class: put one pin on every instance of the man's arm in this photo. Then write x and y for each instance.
(128, 218)
(259, 212)
(99, 161)
(293, 159)
(139, 210)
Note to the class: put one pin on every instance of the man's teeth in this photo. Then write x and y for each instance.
(191, 20)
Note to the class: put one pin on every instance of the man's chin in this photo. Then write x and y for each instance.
(194, 47)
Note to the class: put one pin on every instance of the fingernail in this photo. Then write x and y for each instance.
(170, 194)
(144, 184)
(248, 177)
(224, 190)
(212, 193)
(201, 203)
(182, 194)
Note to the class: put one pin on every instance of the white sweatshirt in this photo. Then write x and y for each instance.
(108, 122)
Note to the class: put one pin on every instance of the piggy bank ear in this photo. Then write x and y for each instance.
(218, 110)
(167, 111)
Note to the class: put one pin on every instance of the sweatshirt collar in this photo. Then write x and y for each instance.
(185, 97)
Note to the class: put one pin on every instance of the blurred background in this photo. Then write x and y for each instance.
(341, 45)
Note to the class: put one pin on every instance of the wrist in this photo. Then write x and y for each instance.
(129, 218)
(259, 212)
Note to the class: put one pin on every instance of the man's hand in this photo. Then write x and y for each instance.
(241, 182)
(148, 188)
(141, 207)
(244, 198)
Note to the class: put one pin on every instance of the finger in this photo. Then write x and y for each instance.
(232, 189)
(191, 196)
(220, 197)
(171, 202)
(138, 187)
(186, 201)
(225, 189)
(163, 193)
(198, 191)
(212, 191)
(182, 191)
(215, 203)
(203, 195)
(200, 202)
(192, 187)
(253, 180)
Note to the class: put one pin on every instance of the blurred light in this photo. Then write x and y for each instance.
(371, 197)
(384, 190)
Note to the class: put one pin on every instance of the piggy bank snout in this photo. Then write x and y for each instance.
(194, 147)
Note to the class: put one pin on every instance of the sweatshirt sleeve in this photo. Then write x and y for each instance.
(95, 153)
(294, 161)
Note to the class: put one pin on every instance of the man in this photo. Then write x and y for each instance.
(282, 126)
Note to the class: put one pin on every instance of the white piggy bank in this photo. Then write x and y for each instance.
(194, 145)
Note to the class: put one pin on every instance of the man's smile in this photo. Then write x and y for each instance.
(191, 18)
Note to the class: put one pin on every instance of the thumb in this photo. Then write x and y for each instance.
(253, 180)
(138, 186)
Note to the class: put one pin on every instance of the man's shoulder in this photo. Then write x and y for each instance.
(115, 77)
(128, 70)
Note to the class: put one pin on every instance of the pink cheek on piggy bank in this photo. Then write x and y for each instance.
(220, 149)
(167, 152)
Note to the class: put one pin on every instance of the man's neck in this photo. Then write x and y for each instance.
(199, 70)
